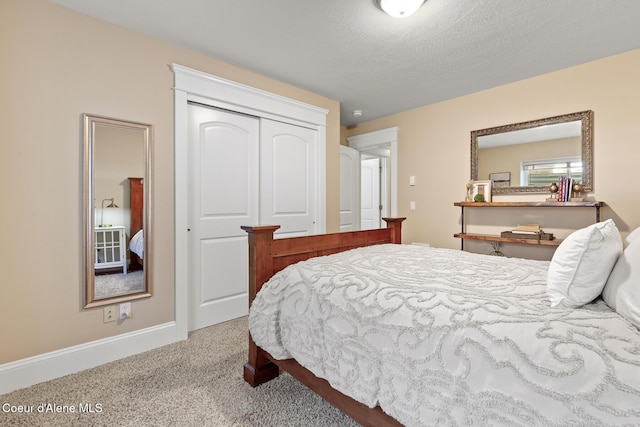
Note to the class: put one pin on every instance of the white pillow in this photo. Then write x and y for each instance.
(622, 291)
(581, 265)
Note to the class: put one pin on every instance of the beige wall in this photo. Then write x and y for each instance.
(434, 145)
(56, 65)
(343, 136)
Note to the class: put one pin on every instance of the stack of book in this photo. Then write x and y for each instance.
(527, 231)
(564, 189)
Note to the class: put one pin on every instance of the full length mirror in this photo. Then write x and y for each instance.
(527, 157)
(117, 210)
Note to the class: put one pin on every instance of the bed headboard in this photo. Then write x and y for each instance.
(136, 197)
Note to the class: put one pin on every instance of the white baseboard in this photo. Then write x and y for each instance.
(44, 367)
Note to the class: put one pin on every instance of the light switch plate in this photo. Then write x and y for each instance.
(125, 310)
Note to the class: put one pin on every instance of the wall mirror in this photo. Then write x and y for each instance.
(527, 157)
(117, 157)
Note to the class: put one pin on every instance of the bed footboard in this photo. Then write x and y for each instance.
(267, 256)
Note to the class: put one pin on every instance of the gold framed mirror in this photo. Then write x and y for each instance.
(527, 157)
(117, 183)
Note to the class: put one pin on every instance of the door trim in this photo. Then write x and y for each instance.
(197, 86)
(387, 138)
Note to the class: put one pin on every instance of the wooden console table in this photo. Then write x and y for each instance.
(492, 238)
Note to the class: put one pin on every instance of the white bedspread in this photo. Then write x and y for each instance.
(445, 337)
(136, 245)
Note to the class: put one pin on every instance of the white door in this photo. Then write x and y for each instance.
(370, 194)
(349, 189)
(287, 178)
(223, 195)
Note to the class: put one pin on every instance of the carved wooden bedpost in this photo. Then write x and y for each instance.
(259, 369)
(395, 224)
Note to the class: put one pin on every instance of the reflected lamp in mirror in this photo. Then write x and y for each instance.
(534, 154)
(110, 205)
(117, 247)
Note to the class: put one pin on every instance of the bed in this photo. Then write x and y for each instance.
(481, 343)
(136, 203)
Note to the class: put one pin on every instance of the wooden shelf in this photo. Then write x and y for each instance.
(491, 238)
(531, 204)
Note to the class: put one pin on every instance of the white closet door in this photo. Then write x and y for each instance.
(287, 178)
(349, 189)
(223, 195)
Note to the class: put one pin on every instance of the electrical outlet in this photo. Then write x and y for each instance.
(109, 314)
(125, 310)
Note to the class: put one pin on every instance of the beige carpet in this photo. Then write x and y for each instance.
(107, 285)
(197, 382)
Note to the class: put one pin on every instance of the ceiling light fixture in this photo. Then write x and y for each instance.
(400, 8)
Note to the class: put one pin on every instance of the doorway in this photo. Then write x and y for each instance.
(379, 175)
(375, 189)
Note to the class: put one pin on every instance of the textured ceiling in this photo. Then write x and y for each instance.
(350, 51)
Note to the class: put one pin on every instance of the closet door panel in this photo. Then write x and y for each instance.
(223, 196)
(287, 178)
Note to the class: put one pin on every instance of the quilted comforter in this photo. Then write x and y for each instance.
(445, 337)
(136, 245)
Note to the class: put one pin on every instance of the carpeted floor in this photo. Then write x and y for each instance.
(197, 382)
(107, 285)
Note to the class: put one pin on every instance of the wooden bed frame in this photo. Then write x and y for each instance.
(136, 199)
(267, 256)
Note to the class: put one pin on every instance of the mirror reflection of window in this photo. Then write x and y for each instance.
(548, 171)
